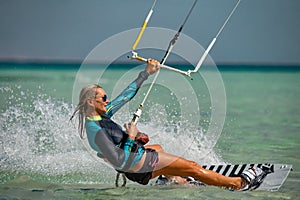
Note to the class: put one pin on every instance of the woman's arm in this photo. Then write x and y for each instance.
(115, 155)
(126, 95)
(132, 89)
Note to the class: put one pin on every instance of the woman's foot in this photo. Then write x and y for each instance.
(252, 178)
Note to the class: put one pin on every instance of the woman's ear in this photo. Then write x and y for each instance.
(90, 102)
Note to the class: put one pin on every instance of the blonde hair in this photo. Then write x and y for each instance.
(87, 92)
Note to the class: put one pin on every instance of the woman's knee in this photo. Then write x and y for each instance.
(194, 164)
(156, 147)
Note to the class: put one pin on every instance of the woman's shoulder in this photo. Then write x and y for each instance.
(92, 126)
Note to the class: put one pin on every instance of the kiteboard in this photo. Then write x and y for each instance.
(276, 174)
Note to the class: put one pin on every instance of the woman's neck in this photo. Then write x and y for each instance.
(92, 113)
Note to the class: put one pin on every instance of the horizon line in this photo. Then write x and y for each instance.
(79, 61)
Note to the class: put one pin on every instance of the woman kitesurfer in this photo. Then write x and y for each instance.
(126, 150)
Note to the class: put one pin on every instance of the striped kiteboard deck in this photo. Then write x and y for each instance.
(276, 173)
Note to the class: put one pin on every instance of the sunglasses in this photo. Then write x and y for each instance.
(104, 98)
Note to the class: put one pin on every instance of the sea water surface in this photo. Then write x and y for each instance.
(42, 156)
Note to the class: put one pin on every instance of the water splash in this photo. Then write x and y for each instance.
(180, 138)
(37, 138)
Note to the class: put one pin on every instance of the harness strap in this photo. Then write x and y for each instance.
(130, 158)
(126, 166)
(118, 177)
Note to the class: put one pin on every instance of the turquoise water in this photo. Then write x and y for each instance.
(42, 157)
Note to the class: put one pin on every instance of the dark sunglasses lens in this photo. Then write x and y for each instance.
(104, 98)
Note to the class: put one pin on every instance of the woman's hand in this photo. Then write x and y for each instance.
(152, 66)
(131, 130)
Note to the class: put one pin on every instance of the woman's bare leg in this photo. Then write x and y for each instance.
(156, 147)
(174, 179)
(173, 165)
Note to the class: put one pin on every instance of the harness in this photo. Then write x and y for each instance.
(118, 137)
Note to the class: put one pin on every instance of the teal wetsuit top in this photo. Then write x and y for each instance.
(108, 139)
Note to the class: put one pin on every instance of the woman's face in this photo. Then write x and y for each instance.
(100, 101)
